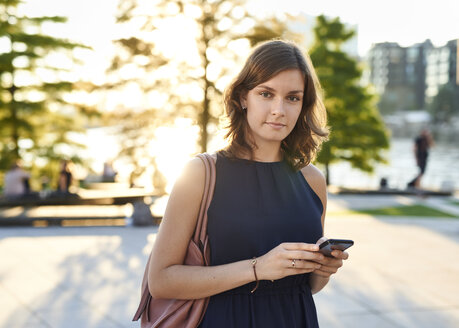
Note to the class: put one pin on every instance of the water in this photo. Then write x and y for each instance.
(442, 168)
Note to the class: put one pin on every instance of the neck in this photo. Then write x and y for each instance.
(267, 154)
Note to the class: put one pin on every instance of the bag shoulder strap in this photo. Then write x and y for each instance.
(200, 232)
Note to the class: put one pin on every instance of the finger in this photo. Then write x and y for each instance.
(328, 269)
(322, 273)
(340, 254)
(327, 260)
(302, 265)
(301, 271)
(304, 255)
(300, 246)
(299, 265)
(332, 262)
(321, 240)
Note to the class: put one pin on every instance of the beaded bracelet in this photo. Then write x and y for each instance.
(254, 262)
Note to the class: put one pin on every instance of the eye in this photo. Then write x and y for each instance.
(266, 94)
(293, 98)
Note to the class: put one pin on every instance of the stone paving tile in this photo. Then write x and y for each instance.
(26, 286)
(343, 298)
(77, 318)
(331, 302)
(444, 318)
(357, 320)
(16, 314)
(123, 314)
(56, 301)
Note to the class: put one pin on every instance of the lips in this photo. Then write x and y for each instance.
(275, 125)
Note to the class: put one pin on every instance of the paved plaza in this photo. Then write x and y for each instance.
(403, 272)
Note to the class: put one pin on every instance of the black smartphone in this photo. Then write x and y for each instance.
(331, 244)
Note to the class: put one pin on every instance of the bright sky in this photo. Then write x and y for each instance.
(403, 21)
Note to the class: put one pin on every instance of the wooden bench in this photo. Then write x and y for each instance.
(102, 207)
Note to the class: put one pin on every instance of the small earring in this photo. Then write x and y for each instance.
(244, 108)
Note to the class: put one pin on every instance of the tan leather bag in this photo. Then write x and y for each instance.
(172, 313)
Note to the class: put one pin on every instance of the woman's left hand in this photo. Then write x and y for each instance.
(330, 265)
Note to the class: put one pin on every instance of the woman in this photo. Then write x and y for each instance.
(267, 213)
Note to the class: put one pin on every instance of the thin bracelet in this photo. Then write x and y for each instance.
(254, 263)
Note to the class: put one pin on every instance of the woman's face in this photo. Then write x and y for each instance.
(273, 107)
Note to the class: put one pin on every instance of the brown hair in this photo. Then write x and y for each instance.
(300, 147)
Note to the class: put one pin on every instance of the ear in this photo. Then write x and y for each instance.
(243, 99)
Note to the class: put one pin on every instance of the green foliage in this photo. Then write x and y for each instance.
(445, 104)
(35, 119)
(217, 24)
(409, 210)
(358, 133)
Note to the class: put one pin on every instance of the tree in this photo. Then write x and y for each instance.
(183, 87)
(35, 118)
(445, 104)
(357, 133)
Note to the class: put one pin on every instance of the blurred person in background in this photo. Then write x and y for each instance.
(16, 181)
(109, 172)
(422, 144)
(65, 177)
(267, 214)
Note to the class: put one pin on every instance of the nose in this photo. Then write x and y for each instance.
(277, 108)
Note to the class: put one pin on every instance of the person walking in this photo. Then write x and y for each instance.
(422, 144)
(267, 213)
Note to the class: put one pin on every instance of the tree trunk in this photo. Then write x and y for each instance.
(15, 131)
(327, 174)
(205, 115)
(204, 118)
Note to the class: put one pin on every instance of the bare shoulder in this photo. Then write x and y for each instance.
(187, 192)
(313, 175)
(194, 165)
(192, 175)
(194, 170)
(316, 180)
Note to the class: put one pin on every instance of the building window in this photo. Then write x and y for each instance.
(443, 67)
(412, 54)
(444, 54)
(443, 78)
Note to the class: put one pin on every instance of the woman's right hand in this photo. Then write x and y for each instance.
(288, 259)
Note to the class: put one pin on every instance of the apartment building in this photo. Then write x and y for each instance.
(407, 78)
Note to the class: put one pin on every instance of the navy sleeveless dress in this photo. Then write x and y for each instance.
(257, 206)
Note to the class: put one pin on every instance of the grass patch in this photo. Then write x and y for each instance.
(410, 210)
(454, 202)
